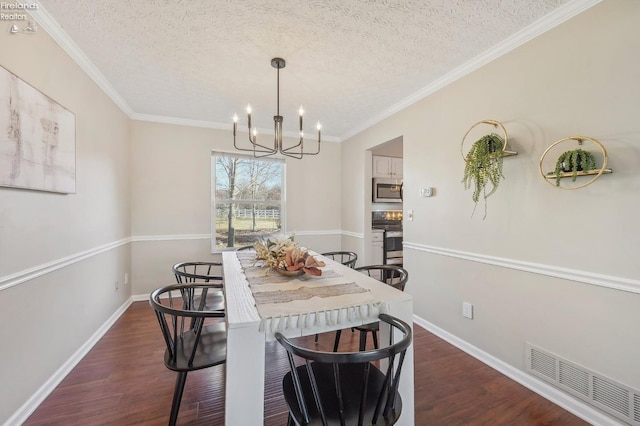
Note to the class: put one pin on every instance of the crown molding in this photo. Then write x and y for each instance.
(555, 18)
(44, 20)
(544, 24)
(180, 121)
(217, 126)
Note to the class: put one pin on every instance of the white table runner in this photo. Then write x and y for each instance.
(306, 301)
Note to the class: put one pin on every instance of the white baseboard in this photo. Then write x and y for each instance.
(562, 399)
(43, 392)
(140, 297)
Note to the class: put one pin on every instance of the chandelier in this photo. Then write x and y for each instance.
(259, 150)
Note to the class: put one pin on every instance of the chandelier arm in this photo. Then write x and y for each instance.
(266, 149)
(293, 147)
(302, 152)
(268, 154)
(297, 156)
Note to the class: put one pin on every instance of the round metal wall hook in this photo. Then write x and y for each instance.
(548, 177)
(494, 123)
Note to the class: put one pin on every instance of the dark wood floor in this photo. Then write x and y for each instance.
(123, 381)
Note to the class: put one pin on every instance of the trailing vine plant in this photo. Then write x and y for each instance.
(574, 161)
(484, 167)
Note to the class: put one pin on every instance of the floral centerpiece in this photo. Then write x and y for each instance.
(287, 257)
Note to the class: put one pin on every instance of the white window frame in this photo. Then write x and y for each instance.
(283, 203)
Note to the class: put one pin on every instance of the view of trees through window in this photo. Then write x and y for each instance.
(247, 199)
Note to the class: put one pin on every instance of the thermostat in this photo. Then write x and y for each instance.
(426, 192)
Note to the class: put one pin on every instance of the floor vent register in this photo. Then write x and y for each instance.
(602, 392)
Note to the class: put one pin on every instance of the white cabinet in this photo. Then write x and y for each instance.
(377, 249)
(387, 167)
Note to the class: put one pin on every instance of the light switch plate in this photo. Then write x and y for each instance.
(467, 310)
(426, 192)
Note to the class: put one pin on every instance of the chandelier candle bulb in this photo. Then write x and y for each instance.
(301, 111)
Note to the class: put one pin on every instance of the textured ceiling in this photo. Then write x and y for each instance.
(348, 61)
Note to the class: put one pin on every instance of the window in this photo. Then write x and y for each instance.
(248, 199)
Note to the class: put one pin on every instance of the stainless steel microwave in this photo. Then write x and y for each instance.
(386, 190)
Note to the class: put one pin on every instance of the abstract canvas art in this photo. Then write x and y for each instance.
(37, 139)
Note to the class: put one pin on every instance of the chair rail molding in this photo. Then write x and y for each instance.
(353, 234)
(170, 237)
(9, 281)
(602, 280)
(178, 237)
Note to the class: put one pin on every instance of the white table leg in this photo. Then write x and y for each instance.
(403, 311)
(245, 375)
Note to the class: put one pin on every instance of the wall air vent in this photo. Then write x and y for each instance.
(602, 392)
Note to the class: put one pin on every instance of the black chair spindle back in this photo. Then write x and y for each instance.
(346, 387)
(195, 338)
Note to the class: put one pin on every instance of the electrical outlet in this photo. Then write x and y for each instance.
(126, 278)
(467, 310)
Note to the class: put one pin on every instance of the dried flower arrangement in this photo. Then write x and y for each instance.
(285, 255)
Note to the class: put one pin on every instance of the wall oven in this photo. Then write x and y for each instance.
(386, 190)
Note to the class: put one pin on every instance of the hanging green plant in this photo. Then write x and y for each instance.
(483, 167)
(574, 161)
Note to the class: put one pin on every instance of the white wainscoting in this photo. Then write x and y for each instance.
(558, 397)
(23, 413)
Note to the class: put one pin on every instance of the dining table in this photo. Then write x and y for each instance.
(261, 302)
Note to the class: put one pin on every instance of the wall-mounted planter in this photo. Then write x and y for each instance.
(574, 163)
(483, 162)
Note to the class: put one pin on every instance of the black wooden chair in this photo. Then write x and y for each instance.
(191, 342)
(392, 275)
(347, 258)
(346, 388)
(203, 272)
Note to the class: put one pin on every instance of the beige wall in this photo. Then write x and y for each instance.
(579, 78)
(171, 198)
(57, 284)
(150, 182)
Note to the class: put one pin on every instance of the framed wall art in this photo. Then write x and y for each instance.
(37, 139)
